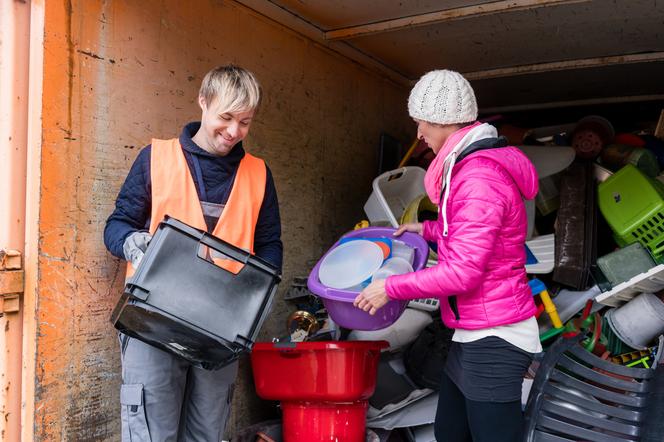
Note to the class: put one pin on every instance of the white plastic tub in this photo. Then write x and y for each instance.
(392, 192)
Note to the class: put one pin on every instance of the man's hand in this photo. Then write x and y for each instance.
(372, 297)
(409, 227)
(134, 247)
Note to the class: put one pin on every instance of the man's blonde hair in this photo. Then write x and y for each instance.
(236, 89)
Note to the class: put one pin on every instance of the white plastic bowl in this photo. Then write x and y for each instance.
(350, 263)
(402, 250)
(393, 266)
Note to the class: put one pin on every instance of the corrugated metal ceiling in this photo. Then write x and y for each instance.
(329, 15)
(518, 52)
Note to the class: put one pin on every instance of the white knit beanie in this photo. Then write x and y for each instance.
(443, 97)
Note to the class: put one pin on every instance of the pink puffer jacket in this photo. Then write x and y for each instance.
(481, 260)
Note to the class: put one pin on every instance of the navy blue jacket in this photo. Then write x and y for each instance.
(134, 203)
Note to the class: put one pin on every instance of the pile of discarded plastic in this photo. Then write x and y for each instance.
(595, 260)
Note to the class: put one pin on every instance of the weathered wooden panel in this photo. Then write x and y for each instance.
(120, 72)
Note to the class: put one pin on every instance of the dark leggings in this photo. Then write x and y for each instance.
(461, 420)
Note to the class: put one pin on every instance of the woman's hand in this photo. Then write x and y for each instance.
(372, 297)
(409, 227)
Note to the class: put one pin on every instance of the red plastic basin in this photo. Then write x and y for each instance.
(324, 421)
(327, 371)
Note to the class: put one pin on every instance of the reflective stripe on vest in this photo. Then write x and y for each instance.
(174, 194)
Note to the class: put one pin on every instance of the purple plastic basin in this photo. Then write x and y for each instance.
(339, 302)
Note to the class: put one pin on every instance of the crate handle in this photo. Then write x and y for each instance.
(225, 249)
(390, 175)
(136, 291)
(220, 246)
(288, 350)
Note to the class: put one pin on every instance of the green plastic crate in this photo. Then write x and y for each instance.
(625, 263)
(633, 206)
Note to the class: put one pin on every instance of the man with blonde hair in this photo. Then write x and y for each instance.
(206, 179)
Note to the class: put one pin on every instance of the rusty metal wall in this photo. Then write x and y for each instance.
(117, 73)
(14, 68)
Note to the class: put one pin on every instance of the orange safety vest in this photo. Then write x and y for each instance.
(174, 194)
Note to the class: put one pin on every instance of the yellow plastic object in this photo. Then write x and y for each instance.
(416, 207)
(361, 225)
(550, 309)
(406, 157)
(643, 361)
(412, 214)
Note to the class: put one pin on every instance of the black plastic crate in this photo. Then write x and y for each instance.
(180, 301)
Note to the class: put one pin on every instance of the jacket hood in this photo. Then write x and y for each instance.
(514, 162)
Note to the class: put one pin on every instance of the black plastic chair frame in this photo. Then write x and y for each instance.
(617, 415)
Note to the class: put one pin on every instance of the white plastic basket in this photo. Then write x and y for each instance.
(392, 192)
(651, 281)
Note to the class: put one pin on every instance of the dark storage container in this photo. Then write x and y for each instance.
(180, 301)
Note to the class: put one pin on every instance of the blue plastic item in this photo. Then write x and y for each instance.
(530, 258)
(536, 286)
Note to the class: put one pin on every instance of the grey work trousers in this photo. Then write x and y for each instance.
(166, 399)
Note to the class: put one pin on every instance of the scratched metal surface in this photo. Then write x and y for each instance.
(117, 73)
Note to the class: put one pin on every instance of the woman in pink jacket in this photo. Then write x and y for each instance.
(479, 184)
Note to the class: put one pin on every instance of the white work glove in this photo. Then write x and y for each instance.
(134, 247)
